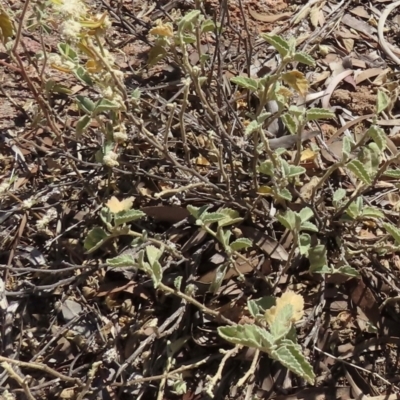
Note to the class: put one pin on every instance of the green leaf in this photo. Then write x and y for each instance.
(263, 116)
(259, 306)
(209, 218)
(354, 209)
(245, 82)
(279, 43)
(247, 335)
(156, 274)
(253, 308)
(105, 105)
(85, 104)
(290, 356)
(297, 111)
(306, 213)
(153, 254)
(241, 243)
(231, 217)
(186, 38)
(267, 168)
(290, 123)
(126, 216)
(290, 220)
(124, 260)
(382, 101)
(52, 87)
(392, 173)
(393, 231)
(95, 236)
(347, 146)
(281, 324)
(315, 114)
(188, 19)
(69, 53)
(358, 169)
(318, 259)
(347, 270)
(197, 212)
(219, 277)
(295, 170)
(284, 194)
(308, 226)
(372, 212)
(304, 58)
(105, 215)
(253, 126)
(81, 126)
(304, 243)
(178, 282)
(156, 53)
(377, 134)
(338, 196)
(83, 75)
(207, 26)
(224, 236)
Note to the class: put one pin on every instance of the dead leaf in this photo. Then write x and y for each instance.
(349, 44)
(162, 29)
(307, 155)
(315, 15)
(367, 74)
(268, 18)
(296, 80)
(202, 161)
(360, 11)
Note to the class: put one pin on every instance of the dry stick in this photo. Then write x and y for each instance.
(171, 374)
(200, 306)
(213, 381)
(148, 341)
(44, 368)
(382, 41)
(251, 370)
(356, 366)
(21, 381)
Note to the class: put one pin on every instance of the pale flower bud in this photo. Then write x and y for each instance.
(110, 159)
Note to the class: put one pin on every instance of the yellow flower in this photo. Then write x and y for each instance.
(289, 297)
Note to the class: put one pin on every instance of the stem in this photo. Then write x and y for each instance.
(194, 302)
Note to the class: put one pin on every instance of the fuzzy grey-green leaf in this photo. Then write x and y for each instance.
(338, 196)
(240, 244)
(94, 236)
(247, 335)
(382, 101)
(393, 231)
(153, 253)
(291, 357)
(372, 212)
(377, 134)
(318, 258)
(304, 58)
(314, 114)
(123, 217)
(392, 173)
(245, 82)
(290, 123)
(123, 260)
(279, 43)
(359, 171)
